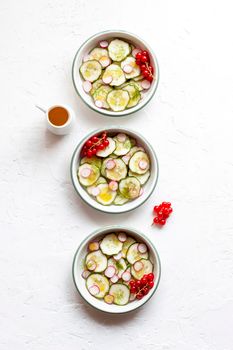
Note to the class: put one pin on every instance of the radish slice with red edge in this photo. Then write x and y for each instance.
(94, 290)
(109, 299)
(122, 237)
(85, 274)
(104, 61)
(110, 271)
(135, 52)
(121, 137)
(107, 80)
(126, 276)
(86, 58)
(117, 256)
(138, 266)
(95, 191)
(91, 265)
(103, 44)
(127, 68)
(113, 185)
(114, 279)
(143, 164)
(126, 159)
(145, 84)
(85, 172)
(110, 164)
(132, 297)
(87, 86)
(99, 103)
(142, 248)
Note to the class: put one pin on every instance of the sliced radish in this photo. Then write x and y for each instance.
(126, 276)
(94, 290)
(85, 274)
(91, 265)
(103, 44)
(86, 58)
(109, 299)
(141, 192)
(143, 164)
(122, 237)
(86, 172)
(126, 159)
(135, 52)
(138, 266)
(104, 61)
(107, 80)
(113, 185)
(132, 297)
(110, 164)
(110, 271)
(121, 137)
(99, 103)
(145, 84)
(114, 279)
(117, 256)
(87, 86)
(142, 248)
(95, 191)
(93, 246)
(127, 68)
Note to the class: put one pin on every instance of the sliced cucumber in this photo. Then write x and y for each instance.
(97, 53)
(133, 150)
(116, 73)
(113, 156)
(130, 187)
(135, 161)
(129, 241)
(101, 94)
(99, 259)
(133, 141)
(120, 292)
(106, 196)
(93, 160)
(118, 172)
(95, 279)
(96, 85)
(118, 100)
(108, 150)
(110, 244)
(142, 178)
(147, 268)
(101, 180)
(136, 85)
(120, 200)
(134, 95)
(133, 254)
(92, 178)
(138, 78)
(131, 62)
(91, 70)
(120, 265)
(122, 147)
(118, 50)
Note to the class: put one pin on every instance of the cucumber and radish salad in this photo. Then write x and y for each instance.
(113, 169)
(115, 74)
(118, 269)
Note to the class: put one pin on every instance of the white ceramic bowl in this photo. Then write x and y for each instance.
(148, 188)
(93, 42)
(78, 263)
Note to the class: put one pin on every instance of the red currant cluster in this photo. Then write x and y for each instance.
(141, 287)
(162, 212)
(94, 144)
(143, 61)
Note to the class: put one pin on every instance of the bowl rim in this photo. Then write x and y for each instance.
(120, 129)
(105, 111)
(100, 231)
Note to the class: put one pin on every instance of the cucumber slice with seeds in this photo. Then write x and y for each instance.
(96, 279)
(122, 147)
(118, 50)
(106, 196)
(118, 172)
(120, 200)
(133, 254)
(91, 70)
(116, 73)
(119, 265)
(134, 95)
(110, 244)
(101, 94)
(100, 260)
(142, 178)
(147, 268)
(118, 100)
(108, 150)
(129, 241)
(120, 292)
(93, 160)
(97, 53)
(92, 178)
(135, 161)
(133, 150)
(136, 85)
(131, 61)
(130, 187)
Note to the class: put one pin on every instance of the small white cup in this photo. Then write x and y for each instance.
(62, 129)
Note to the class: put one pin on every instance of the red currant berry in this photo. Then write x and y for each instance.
(143, 67)
(94, 150)
(162, 222)
(138, 62)
(138, 284)
(156, 220)
(170, 210)
(145, 53)
(94, 139)
(89, 153)
(150, 69)
(150, 277)
(144, 281)
(88, 143)
(145, 73)
(100, 147)
(132, 283)
(106, 143)
(149, 78)
(156, 208)
(139, 296)
(165, 213)
(133, 289)
(84, 147)
(139, 55)
(144, 58)
(160, 214)
(151, 284)
(84, 154)
(145, 290)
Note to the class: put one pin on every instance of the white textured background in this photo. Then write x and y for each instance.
(189, 123)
